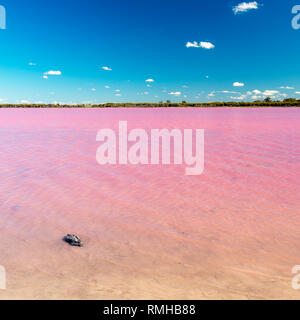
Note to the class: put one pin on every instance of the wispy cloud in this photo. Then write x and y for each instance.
(106, 68)
(32, 64)
(287, 88)
(242, 97)
(202, 44)
(150, 80)
(245, 6)
(177, 93)
(231, 92)
(143, 93)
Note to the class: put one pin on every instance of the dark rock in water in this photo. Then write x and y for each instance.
(73, 240)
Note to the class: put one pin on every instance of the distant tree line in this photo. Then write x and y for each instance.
(259, 103)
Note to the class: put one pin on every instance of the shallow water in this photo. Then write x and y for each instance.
(150, 231)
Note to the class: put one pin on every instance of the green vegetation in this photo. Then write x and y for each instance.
(168, 104)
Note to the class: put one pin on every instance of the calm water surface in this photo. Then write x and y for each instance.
(150, 231)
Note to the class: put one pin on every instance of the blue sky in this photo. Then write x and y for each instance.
(194, 50)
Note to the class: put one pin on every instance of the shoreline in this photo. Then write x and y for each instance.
(217, 105)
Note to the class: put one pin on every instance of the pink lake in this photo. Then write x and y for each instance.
(150, 232)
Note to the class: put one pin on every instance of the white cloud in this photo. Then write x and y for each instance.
(93, 89)
(107, 87)
(175, 93)
(25, 101)
(211, 94)
(204, 45)
(106, 68)
(245, 6)
(149, 80)
(287, 88)
(226, 91)
(118, 95)
(297, 92)
(238, 98)
(32, 64)
(269, 93)
(53, 73)
(238, 84)
(256, 92)
(45, 77)
(192, 44)
(118, 90)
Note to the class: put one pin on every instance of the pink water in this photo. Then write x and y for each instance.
(150, 231)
